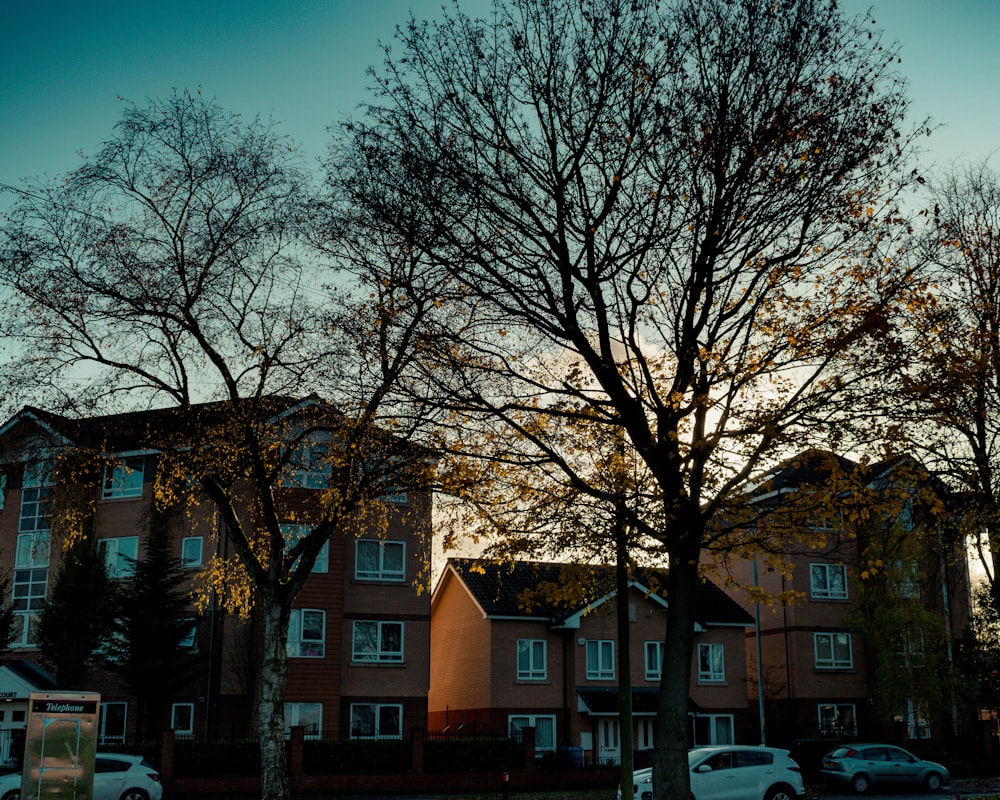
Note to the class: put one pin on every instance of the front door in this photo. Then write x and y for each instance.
(608, 742)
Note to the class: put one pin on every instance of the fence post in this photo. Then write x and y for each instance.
(528, 735)
(296, 757)
(167, 755)
(417, 738)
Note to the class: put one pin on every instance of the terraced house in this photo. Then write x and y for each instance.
(359, 636)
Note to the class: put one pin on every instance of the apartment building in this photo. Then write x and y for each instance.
(359, 636)
(507, 654)
(876, 600)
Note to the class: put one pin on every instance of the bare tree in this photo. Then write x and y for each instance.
(176, 268)
(659, 218)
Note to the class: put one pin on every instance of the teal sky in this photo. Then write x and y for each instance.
(64, 64)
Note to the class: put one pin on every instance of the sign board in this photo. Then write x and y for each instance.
(60, 745)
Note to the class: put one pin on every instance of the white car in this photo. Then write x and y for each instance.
(116, 777)
(733, 772)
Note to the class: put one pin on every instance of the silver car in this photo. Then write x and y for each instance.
(116, 777)
(733, 772)
(862, 766)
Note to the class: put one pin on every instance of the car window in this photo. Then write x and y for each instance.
(720, 761)
(874, 754)
(753, 758)
(895, 754)
(110, 765)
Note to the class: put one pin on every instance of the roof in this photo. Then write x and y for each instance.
(512, 590)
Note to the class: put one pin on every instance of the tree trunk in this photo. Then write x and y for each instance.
(624, 662)
(671, 779)
(271, 701)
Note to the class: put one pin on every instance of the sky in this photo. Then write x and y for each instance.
(66, 65)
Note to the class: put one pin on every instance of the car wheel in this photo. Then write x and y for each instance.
(932, 781)
(15, 795)
(860, 783)
(134, 794)
(780, 792)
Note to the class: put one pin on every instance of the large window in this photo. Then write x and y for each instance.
(544, 725)
(378, 642)
(918, 725)
(307, 633)
(712, 729)
(31, 561)
(112, 728)
(308, 465)
(120, 555)
(36, 499)
(837, 719)
(293, 532)
(191, 552)
(653, 657)
(377, 560)
(833, 650)
(711, 663)
(307, 715)
(376, 721)
(124, 478)
(531, 659)
(828, 581)
(600, 659)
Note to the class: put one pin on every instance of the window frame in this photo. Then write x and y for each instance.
(297, 645)
(307, 464)
(711, 674)
(381, 574)
(827, 568)
(189, 708)
(833, 662)
(377, 709)
(293, 716)
(190, 563)
(379, 656)
(119, 570)
(830, 723)
(531, 671)
(123, 478)
(714, 722)
(295, 531)
(531, 721)
(103, 737)
(652, 656)
(596, 669)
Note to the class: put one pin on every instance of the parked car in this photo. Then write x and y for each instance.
(718, 773)
(862, 766)
(116, 777)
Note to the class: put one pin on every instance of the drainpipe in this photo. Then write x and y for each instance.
(760, 665)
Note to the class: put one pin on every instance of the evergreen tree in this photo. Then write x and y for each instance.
(154, 618)
(79, 614)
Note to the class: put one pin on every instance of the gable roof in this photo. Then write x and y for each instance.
(510, 591)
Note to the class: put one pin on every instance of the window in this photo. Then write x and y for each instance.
(376, 721)
(906, 579)
(377, 560)
(191, 552)
(3, 488)
(120, 555)
(306, 715)
(833, 650)
(544, 725)
(182, 719)
(837, 719)
(112, 728)
(308, 465)
(189, 641)
(378, 642)
(600, 660)
(36, 499)
(644, 734)
(828, 581)
(654, 660)
(307, 633)
(910, 648)
(293, 532)
(712, 729)
(711, 663)
(531, 659)
(31, 559)
(123, 478)
(917, 724)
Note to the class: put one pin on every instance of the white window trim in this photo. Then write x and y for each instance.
(120, 565)
(297, 646)
(713, 729)
(531, 721)
(124, 478)
(104, 739)
(378, 657)
(533, 672)
(831, 726)
(594, 671)
(295, 531)
(827, 594)
(174, 708)
(833, 662)
(192, 563)
(381, 574)
(293, 712)
(654, 664)
(710, 676)
(378, 733)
